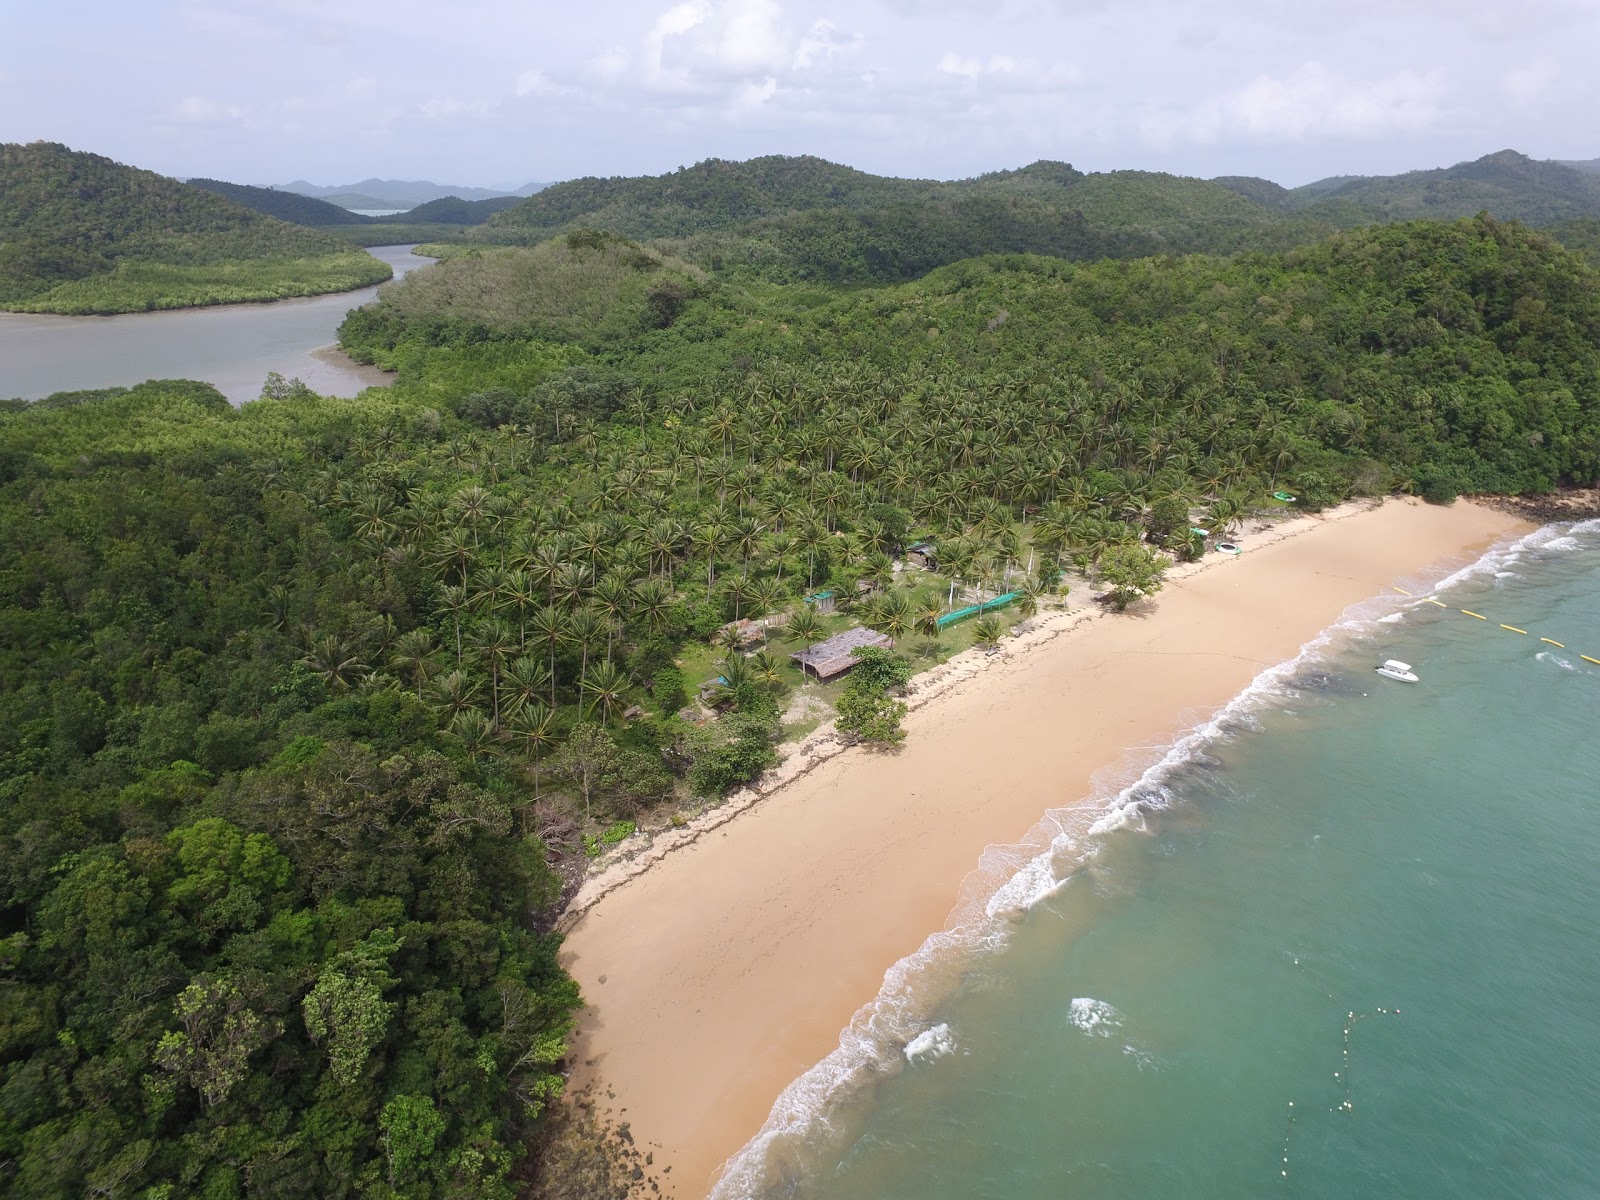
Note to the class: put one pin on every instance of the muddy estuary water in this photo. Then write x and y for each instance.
(232, 346)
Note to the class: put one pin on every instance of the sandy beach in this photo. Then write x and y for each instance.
(731, 965)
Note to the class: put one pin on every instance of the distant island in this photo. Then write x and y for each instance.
(80, 233)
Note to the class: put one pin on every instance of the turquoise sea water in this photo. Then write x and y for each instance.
(1410, 873)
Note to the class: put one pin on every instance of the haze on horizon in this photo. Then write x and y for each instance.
(495, 93)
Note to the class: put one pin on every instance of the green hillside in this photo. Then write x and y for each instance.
(286, 206)
(451, 210)
(714, 194)
(587, 287)
(1581, 234)
(80, 233)
(808, 219)
(1509, 185)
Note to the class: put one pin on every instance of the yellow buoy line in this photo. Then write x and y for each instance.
(1468, 612)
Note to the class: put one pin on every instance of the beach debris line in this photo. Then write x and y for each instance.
(1510, 628)
(1347, 1105)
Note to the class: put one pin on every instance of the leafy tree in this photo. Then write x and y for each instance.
(870, 716)
(1134, 572)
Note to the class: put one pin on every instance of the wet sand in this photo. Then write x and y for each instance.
(730, 966)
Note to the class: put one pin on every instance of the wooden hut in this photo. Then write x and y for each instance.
(924, 555)
(822, 602)
(829, 659)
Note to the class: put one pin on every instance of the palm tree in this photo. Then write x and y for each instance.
(651, 599)
(927, 619)
(605, 685)
(454, 693)
(413, 655)
(476, 731)
(524, 680)
(549, 629)
(894, 613)
(805, 624)
(766, 667)
(710, 538)
(988, 632)
(330, 658)
(535, 727)
(584, 628)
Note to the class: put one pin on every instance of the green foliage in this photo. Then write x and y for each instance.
(870, 716)
(879, 670)
(730, 752)
(865, 709)
(82, 234)
(1134, 572)
(590, 290)
(1509, 185)
(285, 206)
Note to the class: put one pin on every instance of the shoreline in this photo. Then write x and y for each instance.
(722, 963)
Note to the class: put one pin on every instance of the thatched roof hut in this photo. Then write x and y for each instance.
(835, 656)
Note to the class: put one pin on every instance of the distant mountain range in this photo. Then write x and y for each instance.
(795, 218)
(1508, 184)
(397, 193)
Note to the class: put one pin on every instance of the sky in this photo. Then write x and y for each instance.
(497, 93)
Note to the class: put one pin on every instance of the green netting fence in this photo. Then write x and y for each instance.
(973, 610)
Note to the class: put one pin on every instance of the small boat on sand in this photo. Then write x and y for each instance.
(1395, 669)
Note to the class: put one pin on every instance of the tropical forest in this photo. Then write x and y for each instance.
(315, 711)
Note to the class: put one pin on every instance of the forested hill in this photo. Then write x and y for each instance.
(806, 219)
(286, 206)
(718, 195)
(1509, 185)
(450, 210)
(81, 233)
(714, 194)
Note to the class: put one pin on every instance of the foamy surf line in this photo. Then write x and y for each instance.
(895, 1030)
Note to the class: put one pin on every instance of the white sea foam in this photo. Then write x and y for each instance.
(881, 1037)
(1094, 1017)
(1142, 1058)
(1547, 656)
(931, 1044)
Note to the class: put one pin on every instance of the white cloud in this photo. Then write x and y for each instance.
(754, 95)
(446, 108)
(534, 83)
(612, 64)
(822, 43)
(199, 110)
(1531, 87)
(1311, 101)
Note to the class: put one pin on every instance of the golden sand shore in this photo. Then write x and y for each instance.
(730, 966)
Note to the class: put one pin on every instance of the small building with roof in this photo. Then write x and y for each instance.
(829, 659)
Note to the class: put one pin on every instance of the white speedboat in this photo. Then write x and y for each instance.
(1395, 669)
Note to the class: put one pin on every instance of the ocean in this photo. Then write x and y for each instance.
(1338, 942)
